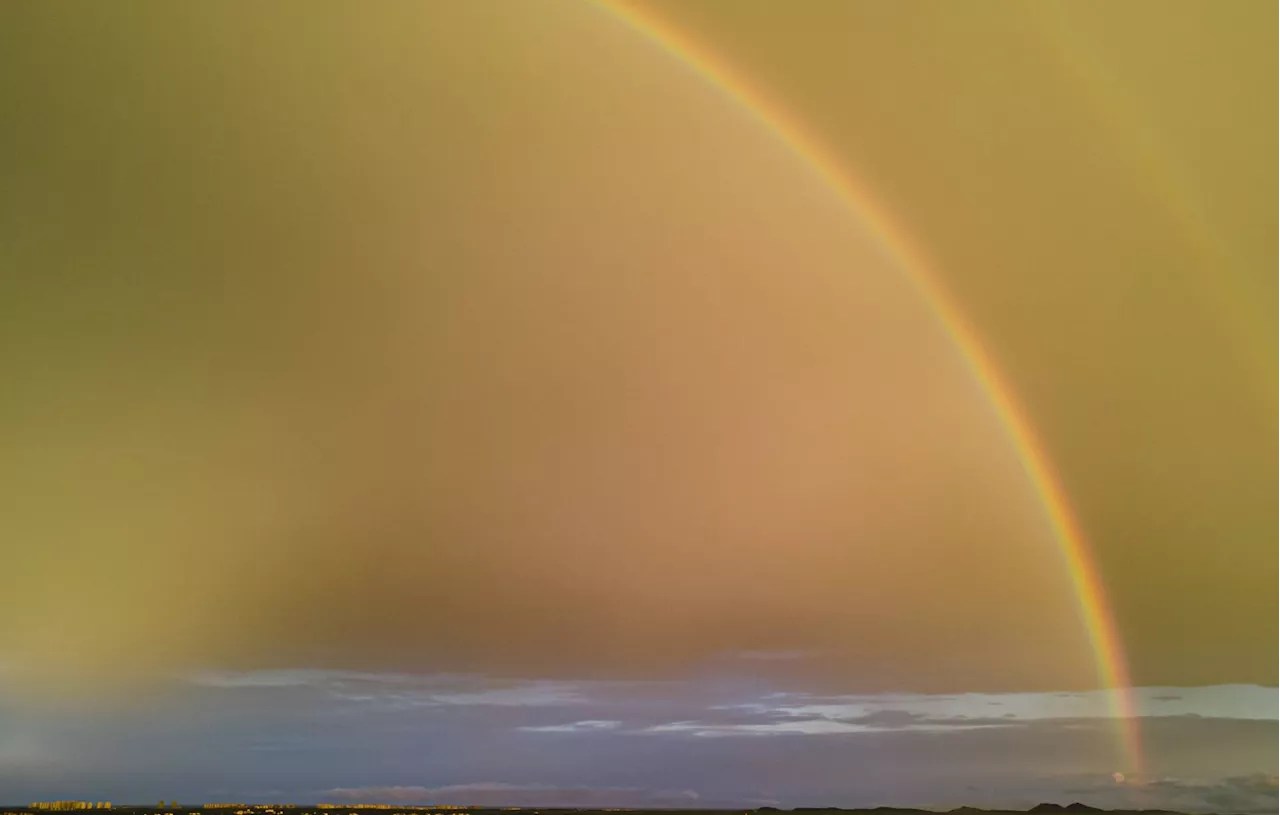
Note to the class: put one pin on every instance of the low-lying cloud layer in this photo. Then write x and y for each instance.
(1243, 794)
(312, 735)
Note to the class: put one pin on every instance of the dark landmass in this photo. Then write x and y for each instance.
(411, 809)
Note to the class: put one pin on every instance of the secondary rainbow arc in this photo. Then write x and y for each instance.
(1095, 611)
(1153, 159)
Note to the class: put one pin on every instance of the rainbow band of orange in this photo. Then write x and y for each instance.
(1094, 609)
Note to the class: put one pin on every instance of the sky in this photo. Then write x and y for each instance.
(496, 402)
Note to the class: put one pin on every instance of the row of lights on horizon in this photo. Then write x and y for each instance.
(60, 806)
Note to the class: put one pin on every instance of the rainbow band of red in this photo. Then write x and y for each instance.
(1095, 611)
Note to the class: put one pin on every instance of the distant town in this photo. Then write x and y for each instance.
(173, 807)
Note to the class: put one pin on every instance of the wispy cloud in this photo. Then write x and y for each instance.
(879, 722)
(1228, 702)
(403, 689)
(585, 726)
(1245, 794)
(809, 727)
(521, 695)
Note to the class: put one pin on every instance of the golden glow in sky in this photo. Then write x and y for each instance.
(926, 347)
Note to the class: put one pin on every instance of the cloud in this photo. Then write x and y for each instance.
(491, 793)
(701, 709)
(882, 721)
(809, 727)
(403, 689)
(526, 695)
(1243, 794)
(585, 726)
(305, 731)
(1226, 702)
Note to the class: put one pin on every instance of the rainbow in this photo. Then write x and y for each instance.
(1095, 611)
(1153, 159)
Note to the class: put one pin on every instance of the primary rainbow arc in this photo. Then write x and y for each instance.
(1099, 622)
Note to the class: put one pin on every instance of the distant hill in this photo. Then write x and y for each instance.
(1039, 809)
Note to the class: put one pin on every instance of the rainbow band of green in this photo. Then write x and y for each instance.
(1111, 667)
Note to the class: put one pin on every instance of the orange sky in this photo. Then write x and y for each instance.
(444, 338)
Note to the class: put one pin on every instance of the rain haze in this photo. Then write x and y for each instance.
(673, 404)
